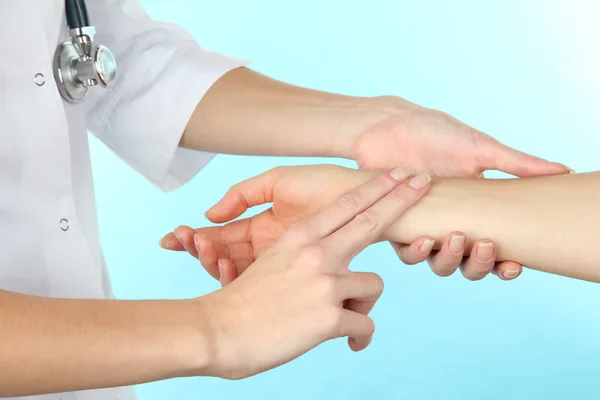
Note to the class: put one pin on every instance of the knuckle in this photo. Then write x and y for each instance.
(400, 195)
(409, 256)
(382, 185)
(350, 201)
(235, 190)
(442, 270)
(369, 220)
(296, 234)
(474, 277)
(369, 326)
(313, 255)
(377, 284)
(477, 271)
(365, 326)
(484, 269)
(328, 287)
(471, 275)
(278, 169)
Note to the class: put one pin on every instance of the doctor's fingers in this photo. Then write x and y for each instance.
(451, 256)
(249, 193)
(416, 252)
(507, 270)
(367, 226)
(364, 304)
(359, 293)
(447, 260)
(481, 261)
(347, 207)
(500, 157)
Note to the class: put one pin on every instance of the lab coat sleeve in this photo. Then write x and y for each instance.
(162, 75)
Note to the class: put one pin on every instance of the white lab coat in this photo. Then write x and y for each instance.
(48, 230)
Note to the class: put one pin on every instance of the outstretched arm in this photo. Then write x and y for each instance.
(546, 223)
(549, 223)
(245, 112)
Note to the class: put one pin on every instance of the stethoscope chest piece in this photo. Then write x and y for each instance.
(78, 64)
(69, 87)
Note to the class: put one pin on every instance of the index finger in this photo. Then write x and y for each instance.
(368, 226)
(347, 206)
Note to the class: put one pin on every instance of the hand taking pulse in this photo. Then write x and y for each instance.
(398, 132)
(300, 292)
(433, 142)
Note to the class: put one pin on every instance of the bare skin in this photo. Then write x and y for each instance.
(248, 113)
(546, 223)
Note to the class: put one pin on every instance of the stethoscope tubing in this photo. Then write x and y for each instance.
(77, 16)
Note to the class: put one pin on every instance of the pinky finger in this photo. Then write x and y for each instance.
(417, 252)
(508, 270)
(227, 271)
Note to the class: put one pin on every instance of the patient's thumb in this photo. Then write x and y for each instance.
(226, 209)
(252, 192)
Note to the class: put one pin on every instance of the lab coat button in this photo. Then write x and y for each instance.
(39, 79)
(64, 224)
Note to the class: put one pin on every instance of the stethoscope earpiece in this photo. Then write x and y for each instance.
(78, 64)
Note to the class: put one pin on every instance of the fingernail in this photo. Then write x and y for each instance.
(220, 266)
(196, 243)
(511, 273)
(161, 243)
(177, 236)
(457, 244)
(485, 251)
(420, 181)
(427, 246)
(401, 173)
(567, 168)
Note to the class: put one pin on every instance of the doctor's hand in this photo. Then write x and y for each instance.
(433, 142)
(300, 292)
(297, 193)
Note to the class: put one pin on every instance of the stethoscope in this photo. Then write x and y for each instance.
(78, 64)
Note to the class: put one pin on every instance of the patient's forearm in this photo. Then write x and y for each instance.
(550, 224)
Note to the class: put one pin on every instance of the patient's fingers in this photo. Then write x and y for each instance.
(481, 262)
(210, 252)
(185, 236)
(170, 242)
(508, 270)
(227, 272)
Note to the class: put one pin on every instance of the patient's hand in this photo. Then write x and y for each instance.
(298, 193)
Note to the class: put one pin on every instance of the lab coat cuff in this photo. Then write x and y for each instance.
(190, 81)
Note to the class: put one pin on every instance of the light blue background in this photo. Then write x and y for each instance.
(524, 71)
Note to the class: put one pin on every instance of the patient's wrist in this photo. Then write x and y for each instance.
(451, 205)
(471, 206)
